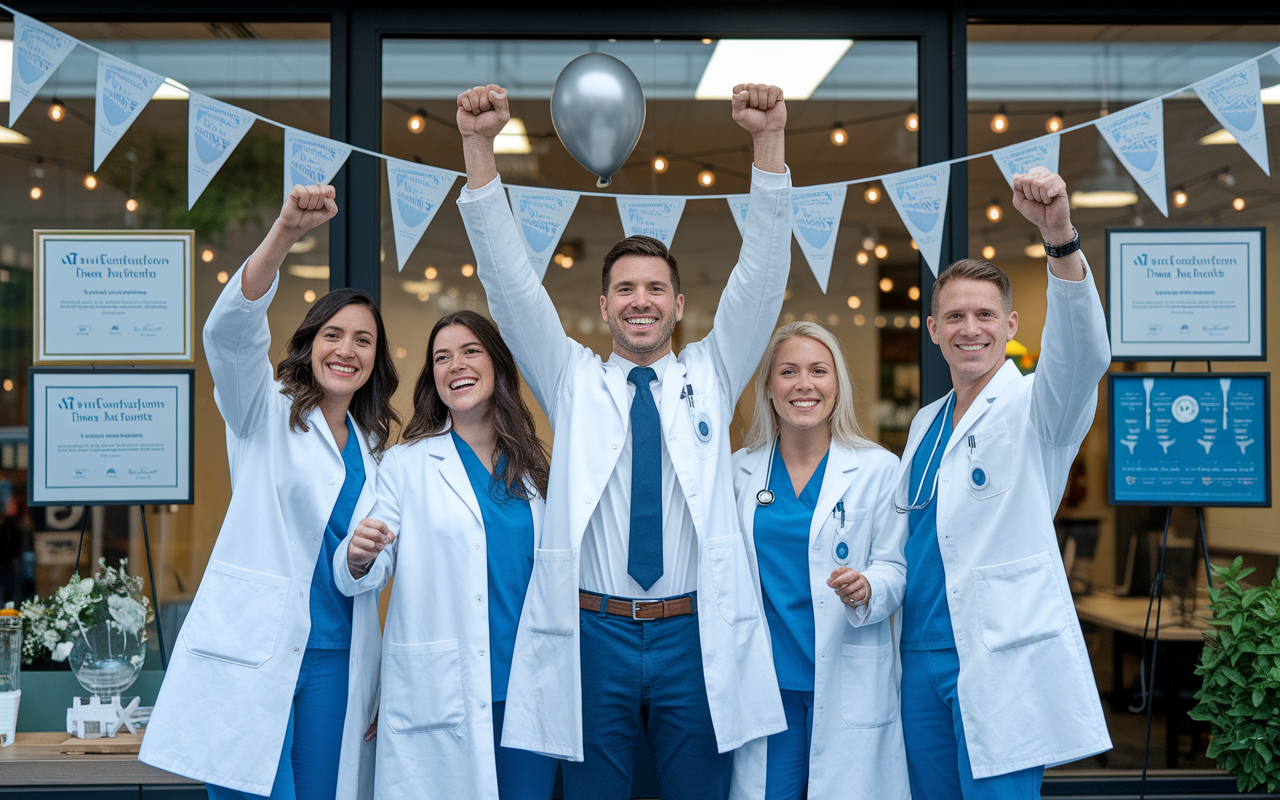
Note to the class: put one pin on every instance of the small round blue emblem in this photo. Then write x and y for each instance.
(842, 550)
(704, 429)
(979, 478)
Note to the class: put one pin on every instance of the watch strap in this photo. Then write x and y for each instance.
(1061, 250)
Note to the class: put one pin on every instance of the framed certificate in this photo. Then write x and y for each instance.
(111, 436)
(113, 296)
(1189, 439)
(1187, 294)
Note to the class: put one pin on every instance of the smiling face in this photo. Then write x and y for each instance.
(972, 328)
(343, 351)
(803, 384)
(463, 371)
(641, 308)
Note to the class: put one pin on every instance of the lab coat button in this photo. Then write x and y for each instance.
(332, 482)
(587, 500)
(299, 594)
(614, 446)
(475, 547)
(483, 706)
(479, 599)
(297, 649)
(482, 653)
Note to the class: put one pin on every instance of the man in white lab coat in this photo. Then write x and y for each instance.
(641, 609)
(996, 680)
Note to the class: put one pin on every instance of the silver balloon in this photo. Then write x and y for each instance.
(597, 108)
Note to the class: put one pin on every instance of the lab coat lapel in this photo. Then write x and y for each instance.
(841, 461)
(1005, 376)
(616, 379)
(442, 448)
(672, 382)
(316, 421)
(919, 427)
(368, 493)
(753, 465)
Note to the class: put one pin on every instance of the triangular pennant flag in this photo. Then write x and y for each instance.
(541, 216)
(123, 91)
(1234, 98)
(1137, 137)
(815, 220)
(1017, 159)
(310, 159)
(738, 204)
(650, 215)
(38, 50)
(213, 131)
(416, 194)
(920, 195)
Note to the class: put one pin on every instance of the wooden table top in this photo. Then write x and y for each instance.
(1129, 615)
(40, 759)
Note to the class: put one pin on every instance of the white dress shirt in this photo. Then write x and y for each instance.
(606, 543)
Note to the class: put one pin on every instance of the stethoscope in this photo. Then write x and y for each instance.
(915, 504)
(701, 422)
(764, 497)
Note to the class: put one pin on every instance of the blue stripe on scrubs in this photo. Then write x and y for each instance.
(508, 532)
(331, 609)
(782, 550)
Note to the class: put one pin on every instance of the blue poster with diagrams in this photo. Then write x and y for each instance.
(1189, 440)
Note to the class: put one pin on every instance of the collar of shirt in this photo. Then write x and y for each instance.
(659, 367)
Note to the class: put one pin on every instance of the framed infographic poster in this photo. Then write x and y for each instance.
(111, 436)
(1189, 439)
(1187, 294)
(113, 296)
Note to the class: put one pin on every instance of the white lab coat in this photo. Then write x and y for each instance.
(857, 751)
(587, 402)
(224, 704)
(1026, 687)
(435, 726)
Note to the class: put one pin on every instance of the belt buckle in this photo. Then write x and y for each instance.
(635, 608)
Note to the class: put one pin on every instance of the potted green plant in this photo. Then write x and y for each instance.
(1240, 668)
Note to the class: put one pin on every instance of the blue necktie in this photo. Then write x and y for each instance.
(644, 555)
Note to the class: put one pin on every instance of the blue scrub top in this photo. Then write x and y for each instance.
(926, 617)
(331, 609)
(782, 551)
(508, 533)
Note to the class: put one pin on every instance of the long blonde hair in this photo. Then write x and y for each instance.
(843, 422)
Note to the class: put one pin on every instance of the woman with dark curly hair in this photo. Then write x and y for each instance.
(458, 517)
(273, 682)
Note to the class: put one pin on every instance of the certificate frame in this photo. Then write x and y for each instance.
(1116, 451)
(50, 386)
(105, 277)
(1173, 335)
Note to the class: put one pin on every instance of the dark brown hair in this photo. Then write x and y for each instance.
(512, 421)
(371, 404)
(639, 246)
(973, 269)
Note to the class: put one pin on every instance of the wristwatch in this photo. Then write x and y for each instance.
(1061, 250)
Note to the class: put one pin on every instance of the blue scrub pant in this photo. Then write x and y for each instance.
(522, 775)
(937, 757)
(787, 766)
(645, 675)
(313, 740)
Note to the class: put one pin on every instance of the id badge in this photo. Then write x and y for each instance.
(841, 551)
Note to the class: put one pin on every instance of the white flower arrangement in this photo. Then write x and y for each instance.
(111, 596)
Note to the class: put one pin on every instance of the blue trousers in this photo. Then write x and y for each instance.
(937, 757)
(522, 775)
(787, 766)
(645, 676)
(313, 740)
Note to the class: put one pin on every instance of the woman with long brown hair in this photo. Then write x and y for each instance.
(458, 517)
(272, 683)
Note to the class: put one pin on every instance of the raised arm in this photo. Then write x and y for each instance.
(519, 304)
(1074, 350)
(752, 299)
(237, 339)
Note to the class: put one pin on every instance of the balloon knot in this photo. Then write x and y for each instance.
(602, 182)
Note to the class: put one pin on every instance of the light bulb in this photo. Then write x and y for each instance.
(566, 262)
(862, 258)
(706, 41)
(430, 273)
(913, 122)
(1053, 124)
(309, 296)
(859, 320)
(914, 293)
(706, 178)
(1179, 197)
(839, 136)
(468, 270)
(994, 212)
(36, 193)
(914, 246)
(868, 243)
(90, 182)
(206, 256)
(882, 251)
(57, 112)
(886, 285)
(1238, 204)
(223, 277)
(854, 301)
(871, 195)
(988, 252)
(660, 164)
(416, 123)
(999, 123)
(131, 204)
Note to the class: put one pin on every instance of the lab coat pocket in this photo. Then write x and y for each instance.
(1020, 602)
(423, 686)
(239, 615)
(735, 595)
(991, 461)
(868, 689)
(551, 603)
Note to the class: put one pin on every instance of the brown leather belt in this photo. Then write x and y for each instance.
(638, 610)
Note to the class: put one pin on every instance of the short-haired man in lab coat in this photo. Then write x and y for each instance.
(641, 613)
(996, 681)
